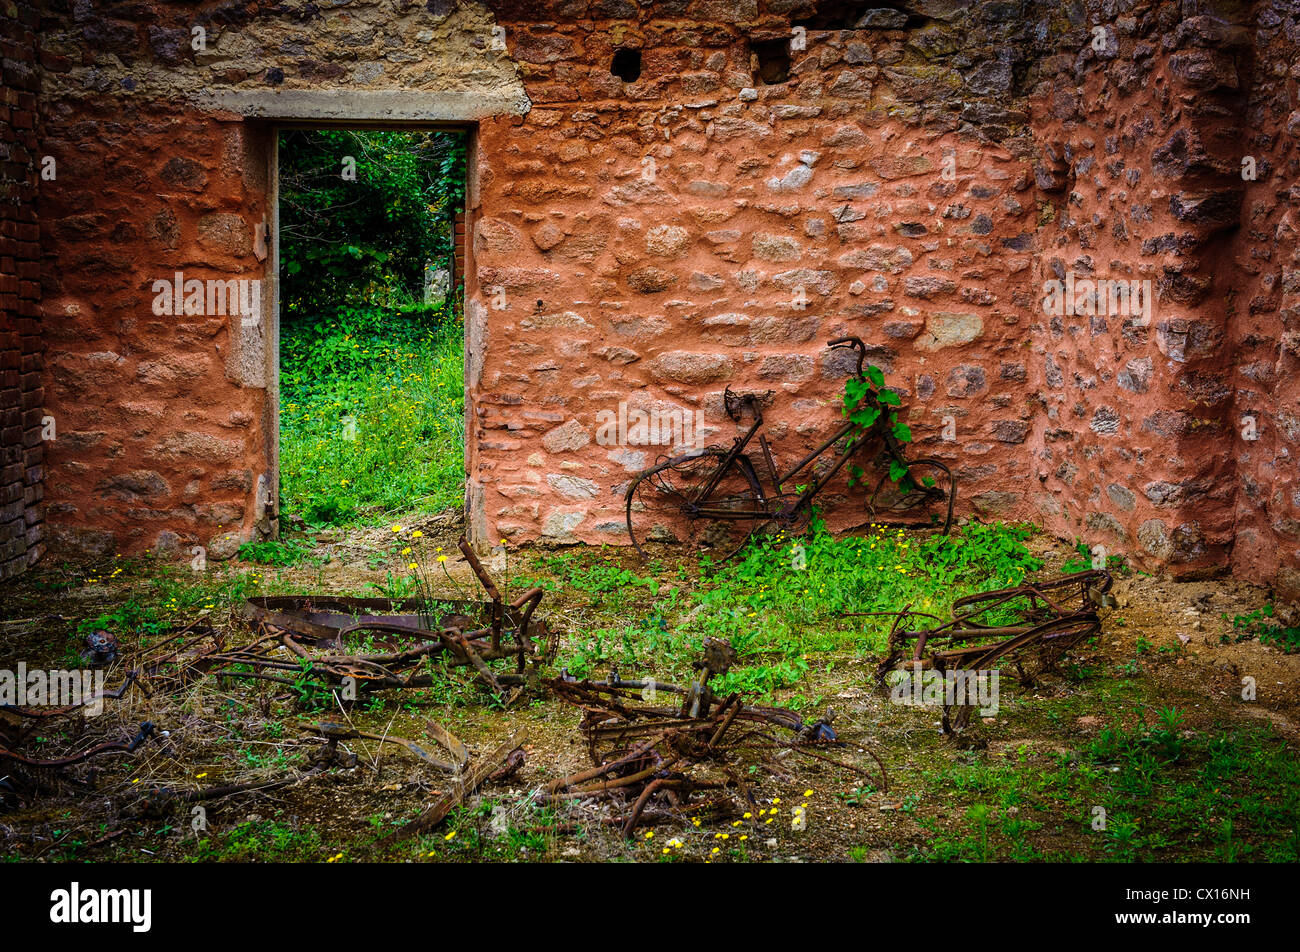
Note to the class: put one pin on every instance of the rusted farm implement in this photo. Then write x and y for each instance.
(664, 762)
(1031, 625)
(302, 641)
(316, 632)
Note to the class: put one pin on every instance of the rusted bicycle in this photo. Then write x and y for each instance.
(714, 497)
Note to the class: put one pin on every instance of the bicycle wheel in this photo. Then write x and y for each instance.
(923, 499)
(664, 503)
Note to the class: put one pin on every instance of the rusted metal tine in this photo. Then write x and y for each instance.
(115, 694)
(498, 612)
(458, 644)
(117, 747)
(584, 775)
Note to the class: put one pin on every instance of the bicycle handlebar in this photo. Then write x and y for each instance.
(856, 344)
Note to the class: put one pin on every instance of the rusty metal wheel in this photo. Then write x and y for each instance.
(922, 499)
(666, 503)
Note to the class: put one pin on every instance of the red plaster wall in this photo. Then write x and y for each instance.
(619, 288)
(1140, 148)
(1123, 162)
(158, 447)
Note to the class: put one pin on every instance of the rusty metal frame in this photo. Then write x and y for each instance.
(701, 503)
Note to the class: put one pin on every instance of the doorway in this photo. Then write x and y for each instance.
(370, 275)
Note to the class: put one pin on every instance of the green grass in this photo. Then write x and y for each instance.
(372, 416)
(267, 841)
(1139, 793)
(1259, 624)
(282, 552)
(780, 607)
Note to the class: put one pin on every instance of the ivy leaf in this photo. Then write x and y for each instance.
(854, 391)
(876, 375)
(903, 432)
(889, 398)
(865, 417)
(897, 470)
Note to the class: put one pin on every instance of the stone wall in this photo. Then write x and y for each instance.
(648, 233)
(655, 241)
(1167, 157)
(1265, 318)
(21, 396)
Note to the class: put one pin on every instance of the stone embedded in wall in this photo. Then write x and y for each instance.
(667, 241)
(1011, 431)
(890, 260)
(495, 236)
(192, 445)
(651, 280)
(573, 487)
(566, 438)
(225, 233)
(560, 524)
(136, 484)
(692, 368)
(791, 368)
(950, 329)
(780, 249)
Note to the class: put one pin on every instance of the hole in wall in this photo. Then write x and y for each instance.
(626, 65)
(773, 60)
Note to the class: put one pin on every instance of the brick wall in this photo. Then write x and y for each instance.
(21, 396)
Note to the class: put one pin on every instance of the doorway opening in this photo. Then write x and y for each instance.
(370, 290)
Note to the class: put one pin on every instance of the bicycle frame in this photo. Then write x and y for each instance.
(805, 498)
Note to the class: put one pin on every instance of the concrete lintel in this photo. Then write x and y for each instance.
(379, 105)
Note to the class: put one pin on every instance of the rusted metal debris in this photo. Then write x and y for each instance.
(468, 634)
(498, 764)
(1034, 622)
(333, 733)
(145, 732)
(23, 777)
(675, 761)
(304, 639)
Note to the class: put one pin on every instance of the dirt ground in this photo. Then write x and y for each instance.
(1022, 785)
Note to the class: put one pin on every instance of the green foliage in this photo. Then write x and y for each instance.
(885, 569)
(1116, 564)
(283, 552)
(131, 617)
(866, 400)
(372, 414)
(259, 840)
(1132, 749)
(778, 611)
(1256, 624)
(368, 239)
